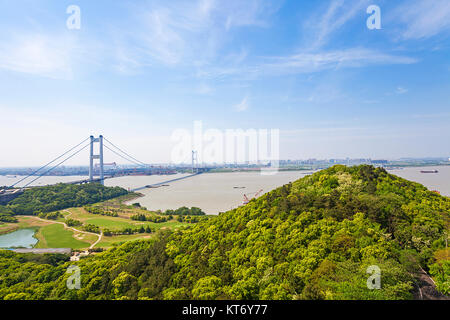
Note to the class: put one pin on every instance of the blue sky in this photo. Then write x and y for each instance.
(138, 70)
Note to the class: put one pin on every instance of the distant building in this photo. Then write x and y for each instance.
(380, 161)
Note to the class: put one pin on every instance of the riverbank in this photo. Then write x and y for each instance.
(439, 181)
(7, 228)
(213, 192)
(219, 192)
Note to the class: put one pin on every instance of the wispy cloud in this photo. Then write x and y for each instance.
(243, 105)
(423, 18)
(39, 54)
(303, 63)
(353, 57)
(335, 16)
(401, 90)
(187, 32)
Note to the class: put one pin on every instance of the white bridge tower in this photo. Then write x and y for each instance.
(96, 156)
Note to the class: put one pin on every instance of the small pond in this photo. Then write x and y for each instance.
(23, 238)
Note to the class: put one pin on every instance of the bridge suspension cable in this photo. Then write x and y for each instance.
(32, 174)
(54, 167)
(123, 157)
(136, 161)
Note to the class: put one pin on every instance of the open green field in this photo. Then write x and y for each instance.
(120, 222)
(110, 223)
(52, 234)
(55, 236)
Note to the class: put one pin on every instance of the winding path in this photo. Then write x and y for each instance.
(71, 228)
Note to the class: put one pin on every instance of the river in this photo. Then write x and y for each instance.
(433, 181)
(216, 192)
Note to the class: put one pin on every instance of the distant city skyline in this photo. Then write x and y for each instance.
(282, 162)
(136, 71)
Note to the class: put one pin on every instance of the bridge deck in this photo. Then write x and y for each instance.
(9, 195)
(164, 182)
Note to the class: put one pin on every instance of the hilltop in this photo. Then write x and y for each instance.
(310, 239)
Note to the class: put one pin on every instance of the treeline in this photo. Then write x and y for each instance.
(180, 217)
(73, 222)
(61, 196)
(311, 239)
(127, 231)
(6, 215)
(185, 211)
(101, 211)
(50, 215)
(190, 219)
(91, 228)
(151, 218)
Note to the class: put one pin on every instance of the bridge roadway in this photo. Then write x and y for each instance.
(139, 188)
(155, 185)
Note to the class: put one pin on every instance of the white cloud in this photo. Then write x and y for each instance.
(423, 18)
(401, 90)
(243, 105)
(38, 54)
(247, 13)
(337, 14)
(313, 62)
(187, 32)
(307, 62)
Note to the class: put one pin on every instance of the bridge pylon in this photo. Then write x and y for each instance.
(98, 156)
(194, 161)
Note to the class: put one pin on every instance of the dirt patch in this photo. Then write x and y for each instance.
(8, 229)
(79, 236)
(32, 221)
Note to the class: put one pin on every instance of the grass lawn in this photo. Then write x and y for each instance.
(55, 236)
(110, 223)
(170, 225)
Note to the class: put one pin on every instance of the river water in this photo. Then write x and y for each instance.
(433, 181)
(216, 192)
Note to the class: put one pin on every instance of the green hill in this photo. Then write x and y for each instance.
(58, 197)
(311, 239)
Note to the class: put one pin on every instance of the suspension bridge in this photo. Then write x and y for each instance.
(97, 172)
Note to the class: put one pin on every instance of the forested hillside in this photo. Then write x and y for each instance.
(60, 196)
(311, 239)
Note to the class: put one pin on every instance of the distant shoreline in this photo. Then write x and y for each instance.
(313, 167)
